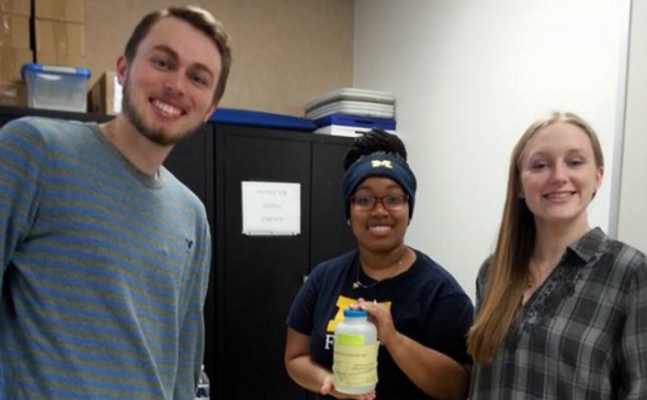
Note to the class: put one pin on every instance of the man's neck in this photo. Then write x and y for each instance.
(141, 152)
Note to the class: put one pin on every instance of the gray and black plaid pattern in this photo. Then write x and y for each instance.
(583, 334)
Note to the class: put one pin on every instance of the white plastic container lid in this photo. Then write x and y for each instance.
(351, 94)
(353, 108)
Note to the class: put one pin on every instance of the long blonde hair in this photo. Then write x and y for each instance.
(506, 276)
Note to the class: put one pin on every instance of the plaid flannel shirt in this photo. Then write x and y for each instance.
(582, 334)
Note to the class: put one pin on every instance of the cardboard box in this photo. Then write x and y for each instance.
(59, 10)
(13, 94)
(11, 61)
(105, 95)
(14, 31)
(16, 7)
(68, 60)
(59, 38)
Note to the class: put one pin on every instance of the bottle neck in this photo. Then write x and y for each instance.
(356, 320)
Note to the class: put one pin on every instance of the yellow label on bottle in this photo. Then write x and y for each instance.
(355, 365)
(349, 339)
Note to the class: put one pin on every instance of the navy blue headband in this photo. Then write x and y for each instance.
(379, 164)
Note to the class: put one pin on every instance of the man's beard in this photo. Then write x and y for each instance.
(157, 136)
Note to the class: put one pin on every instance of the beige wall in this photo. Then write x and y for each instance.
(285, 51)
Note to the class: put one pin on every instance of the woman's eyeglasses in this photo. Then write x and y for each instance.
(391, 202)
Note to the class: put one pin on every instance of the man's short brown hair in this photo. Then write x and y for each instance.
(200, 19)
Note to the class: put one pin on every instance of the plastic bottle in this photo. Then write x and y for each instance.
(355, 354)
(203, 386)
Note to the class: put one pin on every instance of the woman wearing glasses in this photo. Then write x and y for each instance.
(421, 313)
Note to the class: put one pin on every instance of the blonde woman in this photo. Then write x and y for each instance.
(561, 307)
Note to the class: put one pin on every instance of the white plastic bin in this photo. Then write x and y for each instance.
(56, 88)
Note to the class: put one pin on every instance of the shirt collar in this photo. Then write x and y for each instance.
(590, 245)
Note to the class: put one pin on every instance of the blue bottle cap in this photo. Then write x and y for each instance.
(354, 313)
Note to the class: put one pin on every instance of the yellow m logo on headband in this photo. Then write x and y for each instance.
(381, 163)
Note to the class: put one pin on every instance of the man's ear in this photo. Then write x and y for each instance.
(122, 69)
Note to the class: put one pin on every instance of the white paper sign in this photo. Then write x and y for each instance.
(271, 208)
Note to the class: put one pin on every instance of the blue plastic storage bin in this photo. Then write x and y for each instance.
(356, 121)
(56, 88)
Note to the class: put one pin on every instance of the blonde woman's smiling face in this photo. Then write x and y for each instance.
(559, 174)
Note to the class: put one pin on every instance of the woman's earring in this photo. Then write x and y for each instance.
(348, 222)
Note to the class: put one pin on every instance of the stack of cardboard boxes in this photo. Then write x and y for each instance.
(58, 27)
(15, 50)
(52, 35)
(48, 32)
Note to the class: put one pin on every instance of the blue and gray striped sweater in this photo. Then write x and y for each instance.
(103, 272)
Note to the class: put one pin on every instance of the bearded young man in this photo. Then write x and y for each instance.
(105, 256)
